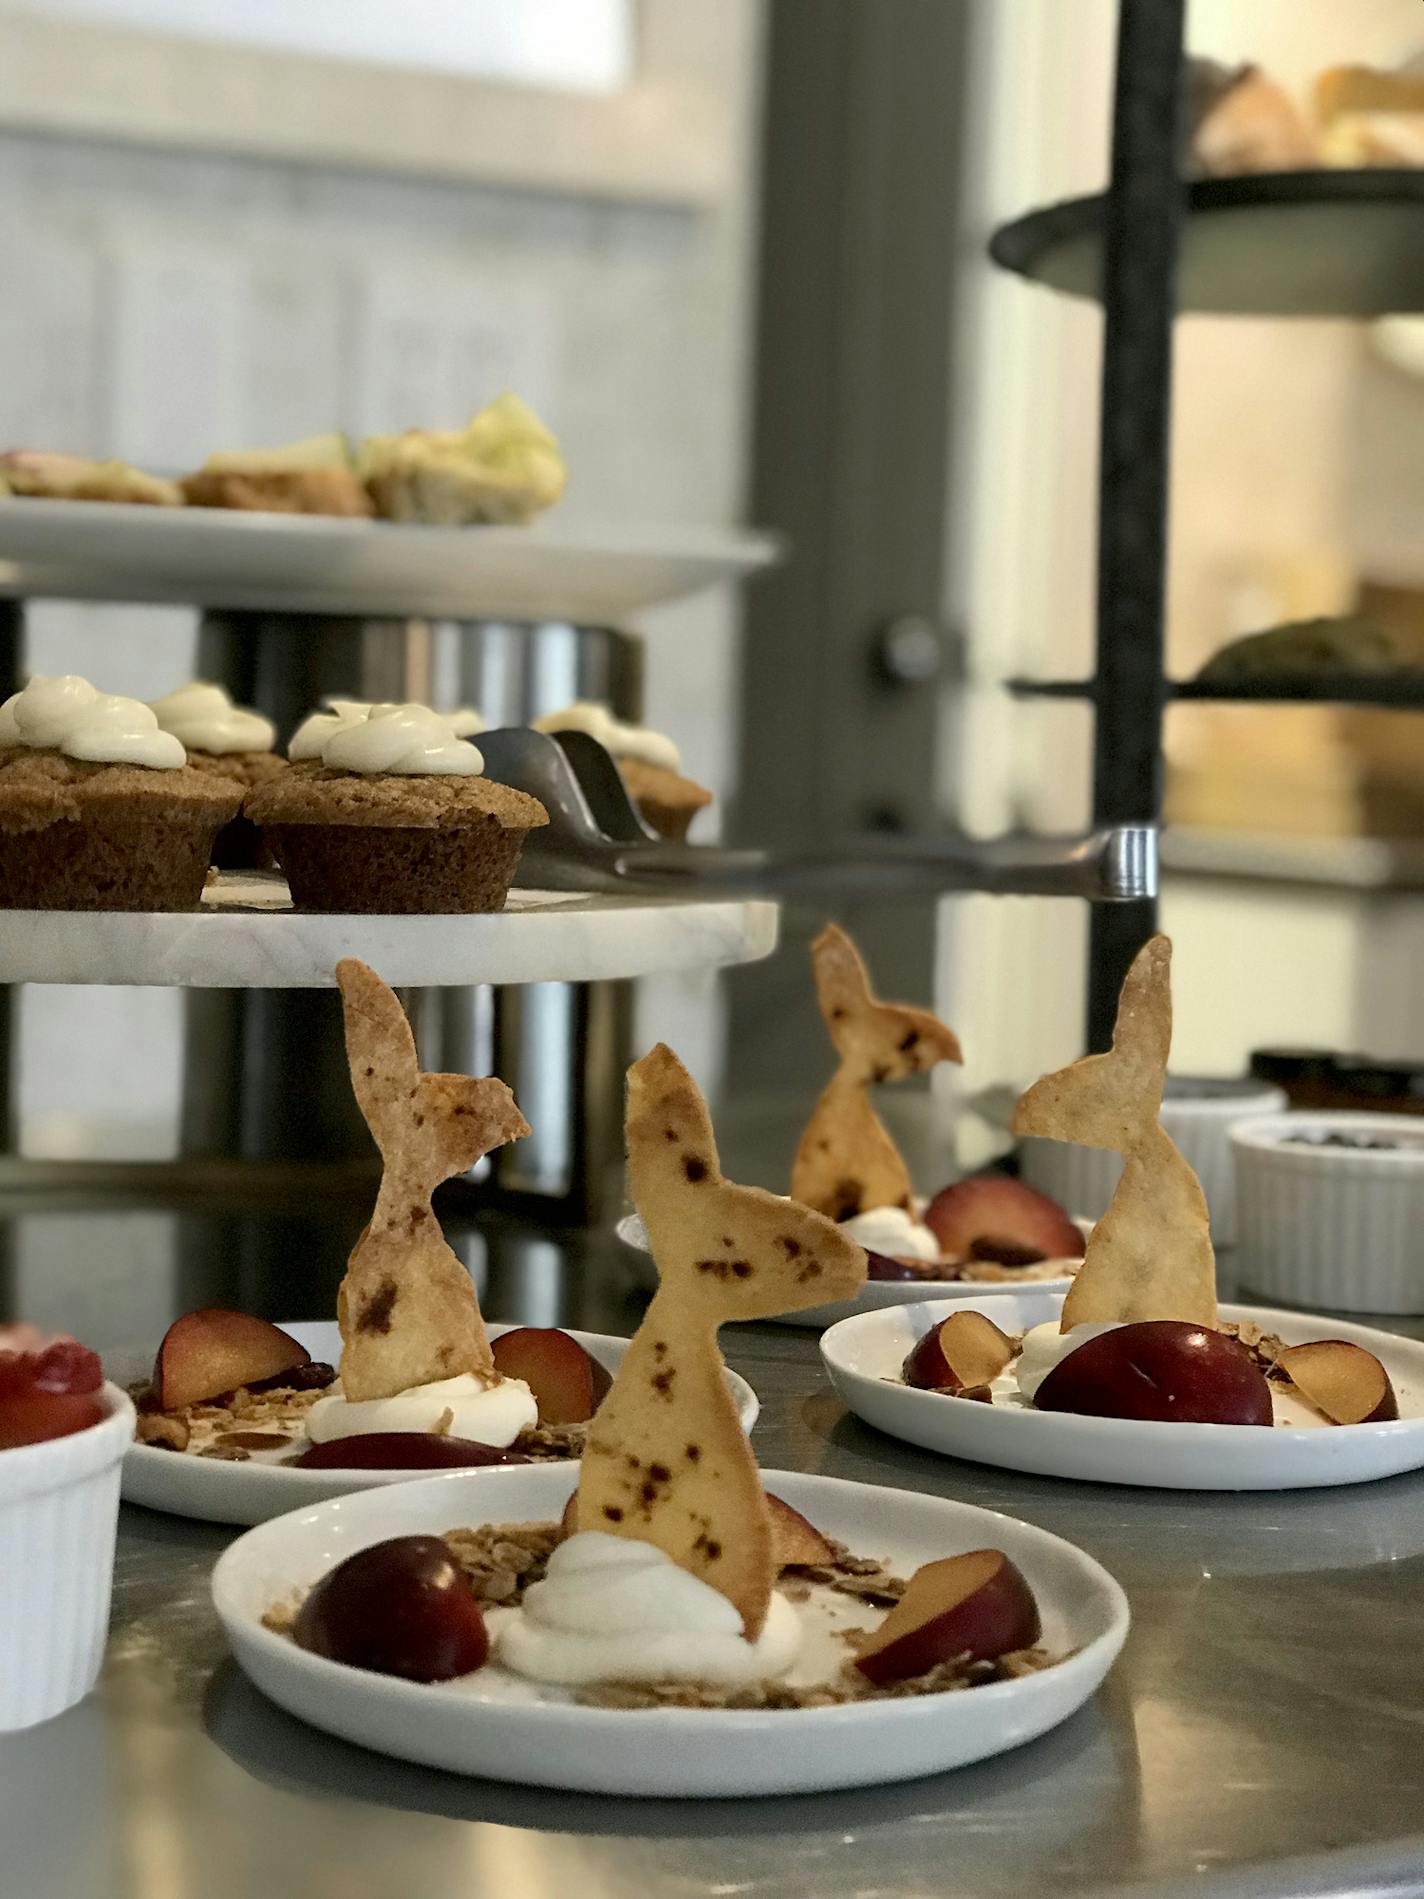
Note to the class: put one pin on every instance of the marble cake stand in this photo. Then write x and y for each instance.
(247, 936)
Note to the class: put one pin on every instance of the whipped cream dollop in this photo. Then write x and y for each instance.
(466, 721)
(490, 1414)
(1045, 1347)
(203, 718)
(624, 741)
(611, 1609)
(69, 715)
(892, 1231)
(408, 741)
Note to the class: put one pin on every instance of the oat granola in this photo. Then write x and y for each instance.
(502, 1560)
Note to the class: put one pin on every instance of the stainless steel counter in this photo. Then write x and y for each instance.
(1263, 1733)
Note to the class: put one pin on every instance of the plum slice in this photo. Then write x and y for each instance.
(977, 1605)
(403, 1450)
(402, 1607)
(1159, 1371)
(995, 1218)
(568, 1385)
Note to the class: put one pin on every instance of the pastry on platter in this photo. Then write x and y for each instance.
(420, 1386)
(848, 1167)
(43, 474)
(315, 476)
(385, 810)
(1369, 117)
(504, 466)
(1348, 643)
(650, 764)
(1239, 120)
(1140, 1337)
(99, 809)
(673, 1580)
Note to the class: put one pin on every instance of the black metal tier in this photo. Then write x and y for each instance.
(1298, 244)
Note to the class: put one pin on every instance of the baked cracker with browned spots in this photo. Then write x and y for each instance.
(407, 1307)
(1150, 1256)
(667, 1461)
(846, 1161)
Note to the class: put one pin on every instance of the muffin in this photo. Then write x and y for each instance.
(315, 476)
(47, 475)
(503, 467)
(649, 762)
(232, 743)
(99, 809)
(387, 811)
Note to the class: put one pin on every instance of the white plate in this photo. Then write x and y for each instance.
(876, 1295)
(492, 1724)
(217, 557)
(864, 1356)
(219, 1492)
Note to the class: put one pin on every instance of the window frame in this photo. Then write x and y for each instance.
(667, 138)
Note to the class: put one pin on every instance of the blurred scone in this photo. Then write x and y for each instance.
(1238, 120)
(505, 467)
(314, 476)
(1371, 118)
(47, 475)
(1350, 644)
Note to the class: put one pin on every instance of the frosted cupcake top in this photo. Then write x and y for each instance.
(623, 741)
(71, 716)
(205, 719)
(398, 740)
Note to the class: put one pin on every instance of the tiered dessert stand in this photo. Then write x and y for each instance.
(295, 607)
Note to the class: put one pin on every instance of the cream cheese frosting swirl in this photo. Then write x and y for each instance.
(407, 741)
(623, 741)
(465, 721)
(613, 1609)
(69, 715)
(205, 719)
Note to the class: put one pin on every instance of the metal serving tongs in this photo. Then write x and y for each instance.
(596, 842)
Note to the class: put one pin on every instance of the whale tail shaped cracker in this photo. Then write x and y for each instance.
(667, 1461)
(1105, 1100)
(846, 1161)
(407, 1307)
(1150, 1256)
(876, 1041)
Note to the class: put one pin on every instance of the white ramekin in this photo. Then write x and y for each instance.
(59, 1513)
(1332, 1226)
(1198, 1115)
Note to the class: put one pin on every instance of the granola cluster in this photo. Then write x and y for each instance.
(228, 1427)
(1264, 1347)
(501, 1560)
(849, 1685)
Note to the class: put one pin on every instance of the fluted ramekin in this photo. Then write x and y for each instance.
(59, 1511)
(1332, 1226)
